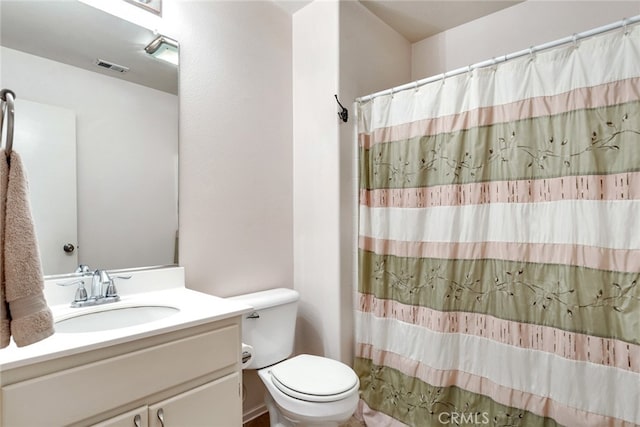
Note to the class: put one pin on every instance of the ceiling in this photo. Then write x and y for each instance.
(419, 19)
(74, 33)
(77, 34)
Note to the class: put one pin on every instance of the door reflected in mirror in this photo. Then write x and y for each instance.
(100, 144)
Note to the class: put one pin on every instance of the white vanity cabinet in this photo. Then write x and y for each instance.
(136, 418)
(212, 404)
(192, 376)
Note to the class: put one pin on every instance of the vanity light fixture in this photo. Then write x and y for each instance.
(163, 48)
(153, 6)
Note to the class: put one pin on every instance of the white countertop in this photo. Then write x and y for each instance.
(195, 308)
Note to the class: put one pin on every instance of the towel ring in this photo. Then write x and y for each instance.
(7, 109)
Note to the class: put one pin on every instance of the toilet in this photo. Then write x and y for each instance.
(304, 390)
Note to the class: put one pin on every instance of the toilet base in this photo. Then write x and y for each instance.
(278, 419)
(286, 411)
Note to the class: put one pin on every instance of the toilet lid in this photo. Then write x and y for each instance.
(314, 378)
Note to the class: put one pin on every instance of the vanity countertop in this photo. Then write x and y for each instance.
(195, 308)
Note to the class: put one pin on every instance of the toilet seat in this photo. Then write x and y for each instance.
(314, 378)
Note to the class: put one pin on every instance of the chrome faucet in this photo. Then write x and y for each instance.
(103, 288)
(99, 280)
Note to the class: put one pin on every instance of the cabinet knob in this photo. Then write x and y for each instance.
(160, 415)
(137, 421)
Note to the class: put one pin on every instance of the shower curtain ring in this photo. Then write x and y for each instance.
(575, 40)
(532, 53)
(625, 22)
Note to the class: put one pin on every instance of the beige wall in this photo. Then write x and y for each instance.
(235, 146)
(373, 57)
(510, 30)
(235, 151)
(338, 48)
(316, 177)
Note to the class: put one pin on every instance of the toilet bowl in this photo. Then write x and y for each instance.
(310, 390)
(304, 390)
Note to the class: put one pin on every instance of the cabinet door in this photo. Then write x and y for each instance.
(215, 404)
(135, 418)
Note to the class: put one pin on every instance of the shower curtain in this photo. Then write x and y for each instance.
(499, 244)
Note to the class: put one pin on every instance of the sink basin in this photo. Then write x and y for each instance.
(113, 318)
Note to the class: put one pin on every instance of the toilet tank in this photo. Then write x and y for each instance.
(270, 328)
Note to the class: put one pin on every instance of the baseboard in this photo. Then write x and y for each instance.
(254, 413)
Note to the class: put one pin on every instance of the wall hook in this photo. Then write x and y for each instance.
(344, 113)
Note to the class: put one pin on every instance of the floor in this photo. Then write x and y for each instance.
(353, 423)
(263, 421)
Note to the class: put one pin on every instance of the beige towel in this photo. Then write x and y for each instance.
(5, 328)
(30, 317)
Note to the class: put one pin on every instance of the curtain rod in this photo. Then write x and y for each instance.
(570, 39)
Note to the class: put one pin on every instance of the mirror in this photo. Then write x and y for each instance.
(96, 125)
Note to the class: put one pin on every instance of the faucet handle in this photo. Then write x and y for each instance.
(81, 292)
(111, 290)
(71, 282)
(111, 287)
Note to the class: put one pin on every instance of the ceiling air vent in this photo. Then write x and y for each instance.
(111, 66)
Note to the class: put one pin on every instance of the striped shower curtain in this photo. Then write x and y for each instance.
(499, 244)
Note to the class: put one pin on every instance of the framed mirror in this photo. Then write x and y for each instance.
(96, 125)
